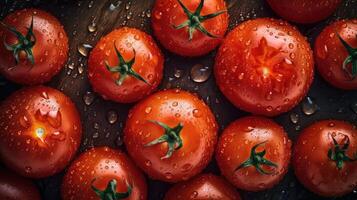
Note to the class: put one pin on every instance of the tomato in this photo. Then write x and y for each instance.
(203, 187)
(325, 159)
(40, 130)
(304, 11)
(336, 54)
(103, 173)
(33, 47)
(264, 66)
(253, 153)
(14, 187)
(125, 65)
(190, 27)
(171, 135)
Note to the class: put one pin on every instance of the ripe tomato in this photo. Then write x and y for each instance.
(190, 27)
(33, 46)
(125, 65)
(325, 159)
(171, 135)
(264, 66)
(103, 173)
(336, 54)
(14, 187)
(40, 130)
(203, 187)
(253, 153)
(304, 11)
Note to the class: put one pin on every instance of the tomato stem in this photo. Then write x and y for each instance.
(338, 152)
(195, 20)
(124, 68)
(24, 43)
(110, 192)
(257, 159)
(171, 136)
(351, 58)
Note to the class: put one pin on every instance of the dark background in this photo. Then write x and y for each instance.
(77, 15)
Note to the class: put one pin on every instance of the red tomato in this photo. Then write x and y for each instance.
(125, 66)
(190, 27)
(253, 153)
(336, 54)
(203, 187)
(40, 130)
(14, 187)
(324, 158)
(171, 135)
(38, 41)
(304, 11)
(264, 66)
(103, 173)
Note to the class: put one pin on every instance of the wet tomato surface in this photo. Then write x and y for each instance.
(40, 130)
(171, 135)
(264, 66)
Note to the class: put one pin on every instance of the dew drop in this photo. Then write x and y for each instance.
(84, 49)
(309, 107)
(112, 117)
(200, 73)
(88, 98)
(92, 27)
(294, 118)
(178, 73)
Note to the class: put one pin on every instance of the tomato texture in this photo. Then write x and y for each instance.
(264, 66)
(304, 11)
(33, 47)
(171, 135)
(125, 65)
(324, 158)
(203, 187)
(253, 153)
(40, 131)
(336, 54)
(189, 27)
(103, 173)
(14, 187)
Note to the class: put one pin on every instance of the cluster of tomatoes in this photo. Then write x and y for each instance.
(264, 66)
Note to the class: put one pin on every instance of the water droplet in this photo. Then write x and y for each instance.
(58, 135)
(119, 141)
(112, 117)
(148, 110)
(148, 163)
(200, 73)
(114, 6)
(168, 175)
(309, 107)
(84, 49)
(178, 73)
(92, 27)
(194, 194)
(95, 135)
(28, 169)
(88, 98)
(294, 118)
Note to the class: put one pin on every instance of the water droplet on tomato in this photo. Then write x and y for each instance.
(148, 110)
(112, 117)
(58, 135)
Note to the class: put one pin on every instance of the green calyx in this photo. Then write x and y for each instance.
(351, 58)
(124, 68)
(110, 192)
(24, 43)
(257, 159)
(195, 20)
(338, 152)
(171, 136)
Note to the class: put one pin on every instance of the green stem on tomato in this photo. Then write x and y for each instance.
(351, 58)
(110, 192)
(338, 152)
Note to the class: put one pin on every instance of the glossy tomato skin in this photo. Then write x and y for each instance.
(41, 131)
(264, 66)
(14, 187)
(203, 187)
(149, 63)
(199, 135)
(304, 11)
(102, 164)
(167, 13)
(50, 50)
(234, 147)
(311, 163)
(330, 53)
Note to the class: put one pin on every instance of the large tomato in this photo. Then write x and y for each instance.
(103, 173)
(264, 66)
(304, 11)
(325, 158)
(253, 153)
(190, 27)
(40, 131)
(203, 187)
(171, 135)
(14, 187)
(336, 54)
(33, 46)
(125, 65)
